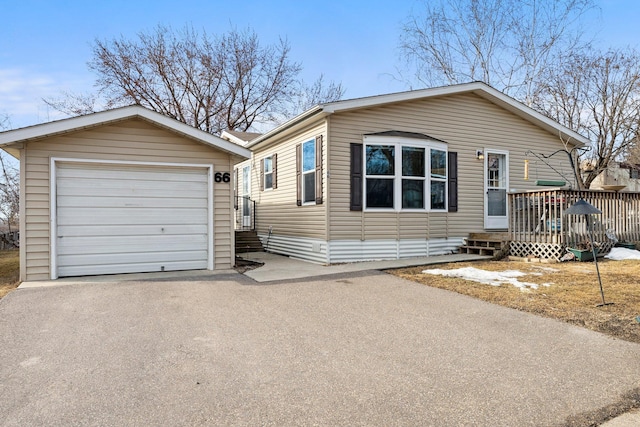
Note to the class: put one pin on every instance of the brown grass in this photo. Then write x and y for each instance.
(9, 271)
(572, 297)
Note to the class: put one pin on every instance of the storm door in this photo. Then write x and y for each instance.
(496, 177)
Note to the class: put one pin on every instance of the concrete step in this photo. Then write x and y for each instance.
(248, 241)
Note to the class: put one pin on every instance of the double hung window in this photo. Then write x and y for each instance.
(309, 172)
(268, 173)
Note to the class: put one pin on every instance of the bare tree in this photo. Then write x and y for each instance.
(9, 192)
(212, 83)
(310, 95)
(9, 183)
(5, 122)
(77, 104)
(596, 94)
(507, 44)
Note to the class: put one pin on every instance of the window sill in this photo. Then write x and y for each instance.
(404, 210)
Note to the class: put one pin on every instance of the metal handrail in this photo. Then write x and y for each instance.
(245, 213)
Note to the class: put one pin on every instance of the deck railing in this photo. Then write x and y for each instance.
(538, 217)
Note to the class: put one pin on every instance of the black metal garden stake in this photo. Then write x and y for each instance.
(582, 207)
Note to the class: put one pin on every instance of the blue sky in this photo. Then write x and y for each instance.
(45, 45)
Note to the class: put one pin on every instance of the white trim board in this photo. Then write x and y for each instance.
(115, 115)
(478, 88)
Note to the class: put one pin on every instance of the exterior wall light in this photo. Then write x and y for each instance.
(479, 155)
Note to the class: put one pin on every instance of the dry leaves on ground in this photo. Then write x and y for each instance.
(572, 296)
(9, 271)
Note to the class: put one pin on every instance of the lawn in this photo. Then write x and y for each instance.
(571, 294)
(9, 271)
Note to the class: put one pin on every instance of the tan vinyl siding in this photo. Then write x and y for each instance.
(467, 123)
(277, 208)
(131, 140)
(414, 225)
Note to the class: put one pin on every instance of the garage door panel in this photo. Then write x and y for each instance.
(116, 244)
(74, 187)
(131, 218)
(95, 201)
(139, 231)
(134, 173)
(66, 271)
(179, 192)
(112, 259)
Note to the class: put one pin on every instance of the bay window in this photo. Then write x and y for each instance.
(405, 174)
(438, 179)
(380, 165)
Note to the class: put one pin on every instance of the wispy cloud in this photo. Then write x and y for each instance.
(22, 92)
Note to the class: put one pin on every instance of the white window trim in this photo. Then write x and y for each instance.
(312, 170)
(398, 143)
(264, 173)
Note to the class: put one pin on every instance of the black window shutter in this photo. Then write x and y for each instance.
(298, 175)
(319, 170)
(261, 174)
(356, 177)
(274, 171)
(452, 159)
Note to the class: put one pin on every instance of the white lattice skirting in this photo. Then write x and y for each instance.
(536, 250)
(546, 250)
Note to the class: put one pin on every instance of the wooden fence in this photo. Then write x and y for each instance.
(538, 225)
(9, 240)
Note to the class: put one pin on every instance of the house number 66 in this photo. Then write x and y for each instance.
(222, 177)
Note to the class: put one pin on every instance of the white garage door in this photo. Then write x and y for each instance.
(116, 218)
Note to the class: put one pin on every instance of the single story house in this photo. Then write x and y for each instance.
(121, 191)
(397, 175)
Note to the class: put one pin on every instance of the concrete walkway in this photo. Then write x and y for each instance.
(630, 419)
(276, 267)
(279, 267)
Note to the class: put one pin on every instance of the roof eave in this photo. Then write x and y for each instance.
(291, 125)
(481, 89)
(88, 121)
(527, 113)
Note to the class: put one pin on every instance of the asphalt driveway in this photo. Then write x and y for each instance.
(359, 349)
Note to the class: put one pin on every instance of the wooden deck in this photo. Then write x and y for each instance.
(538, 226)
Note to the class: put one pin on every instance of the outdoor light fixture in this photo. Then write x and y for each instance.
(526, 169)
(581, 207)
(479, 155)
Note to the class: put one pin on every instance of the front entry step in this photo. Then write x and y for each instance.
(490, 244)
(248, 241)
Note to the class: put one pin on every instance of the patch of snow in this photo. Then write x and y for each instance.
(619, 254)
(493, 278)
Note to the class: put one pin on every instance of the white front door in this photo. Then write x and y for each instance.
(496, 178)
(246, 196)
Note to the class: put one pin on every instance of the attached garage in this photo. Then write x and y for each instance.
(123, 191)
